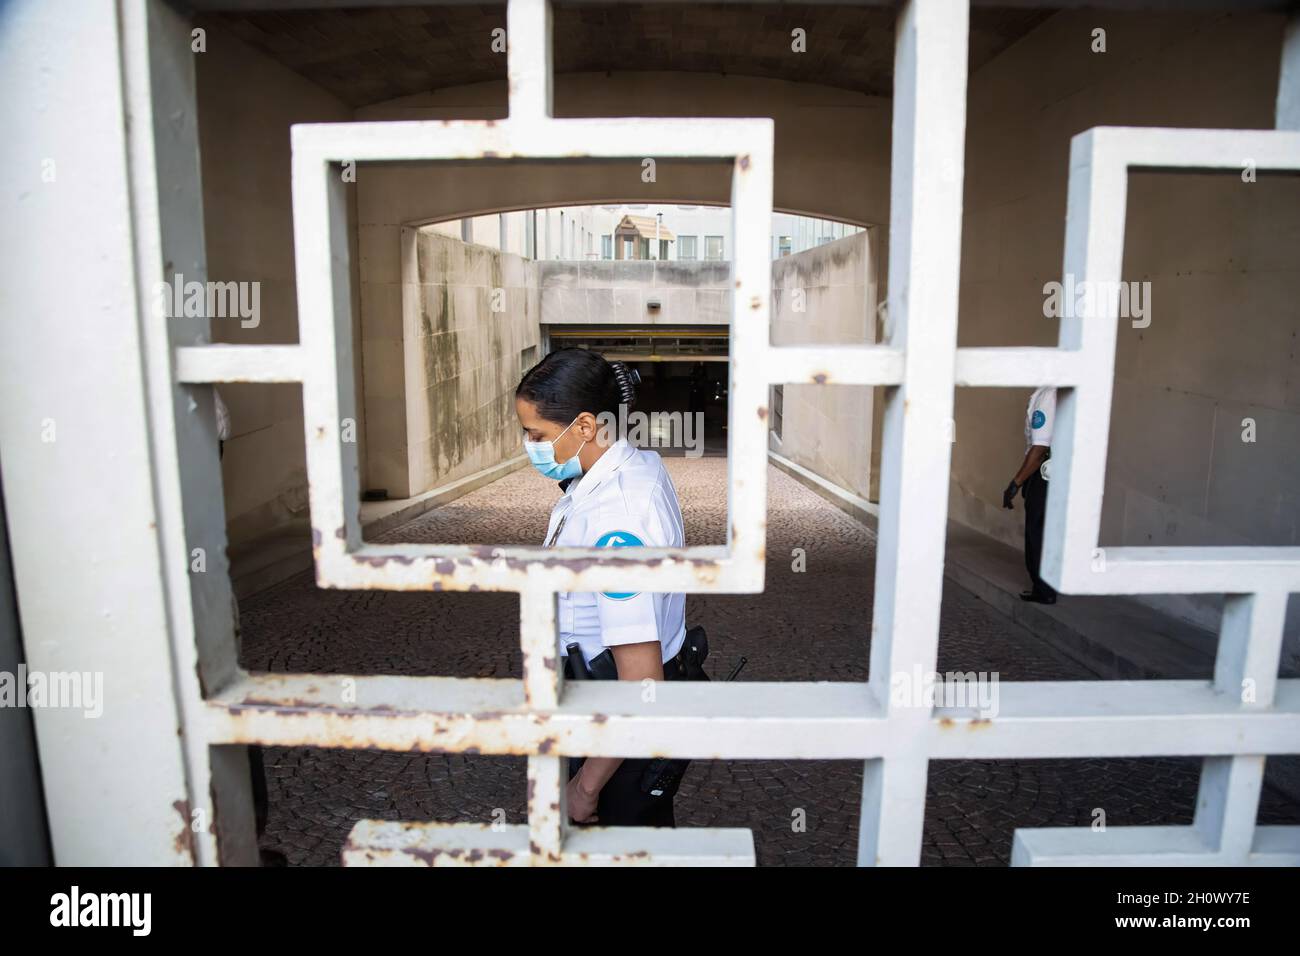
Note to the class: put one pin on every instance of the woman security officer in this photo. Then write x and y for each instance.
(614, 496)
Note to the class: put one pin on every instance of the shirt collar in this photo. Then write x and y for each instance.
(605, 465)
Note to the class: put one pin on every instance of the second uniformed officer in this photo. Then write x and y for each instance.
(615, 496)
(1031, 479)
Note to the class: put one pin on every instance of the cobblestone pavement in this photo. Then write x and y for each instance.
(813, 625)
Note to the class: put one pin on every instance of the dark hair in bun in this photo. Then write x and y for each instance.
(627, 378)
(571, 381)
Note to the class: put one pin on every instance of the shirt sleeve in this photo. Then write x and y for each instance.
(627, 616)
(1043, 419)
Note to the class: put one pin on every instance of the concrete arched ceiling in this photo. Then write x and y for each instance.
(831, 150)
(366, 56)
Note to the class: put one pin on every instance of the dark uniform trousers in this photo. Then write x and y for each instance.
(622, 803)
(1035, 512)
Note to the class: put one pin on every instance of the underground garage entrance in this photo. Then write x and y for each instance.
(682, 399)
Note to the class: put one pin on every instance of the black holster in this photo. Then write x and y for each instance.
(601, 667)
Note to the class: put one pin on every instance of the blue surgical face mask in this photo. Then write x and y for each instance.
(542, 455)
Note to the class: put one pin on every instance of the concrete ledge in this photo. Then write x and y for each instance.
(1115, 637)
(860, 509)
(268, 559)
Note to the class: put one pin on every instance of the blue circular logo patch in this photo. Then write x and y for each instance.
(619, 539)
(1039, 419)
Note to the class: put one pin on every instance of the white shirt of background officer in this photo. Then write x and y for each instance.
(577, 446)
(1040, 419)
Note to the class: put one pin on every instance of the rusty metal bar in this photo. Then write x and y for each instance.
(384, 843)
(805, 720)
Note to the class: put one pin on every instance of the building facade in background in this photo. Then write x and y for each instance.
(627, 231)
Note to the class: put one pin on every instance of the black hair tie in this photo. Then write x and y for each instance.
(627, 379)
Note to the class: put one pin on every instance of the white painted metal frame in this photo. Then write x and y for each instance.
(342, 558)
(1100, 160)
(541, 718)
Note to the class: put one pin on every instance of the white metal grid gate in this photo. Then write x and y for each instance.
(223, 707)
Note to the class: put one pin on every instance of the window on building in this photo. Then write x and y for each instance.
(628, 247)
(663, 248)
(645, 249)
(785, 246)
(713, 251)
(686, 247)
(607, 247)
(777, 402)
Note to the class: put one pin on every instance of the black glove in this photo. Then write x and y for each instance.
(1009, 495)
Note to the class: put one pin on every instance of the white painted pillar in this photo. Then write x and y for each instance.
(96, 436)
(929, 131)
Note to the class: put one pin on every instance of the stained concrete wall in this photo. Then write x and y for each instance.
(618, 292)
(828, 428)
(440, 397)
(1220, 255)
(246, 103)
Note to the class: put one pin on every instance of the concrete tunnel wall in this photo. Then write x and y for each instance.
(830, 429)
(461, 360)
(450, 413)
(618, 292)
(245, 97)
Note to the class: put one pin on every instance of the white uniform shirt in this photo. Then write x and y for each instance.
(1040, 419)
(627, 499)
